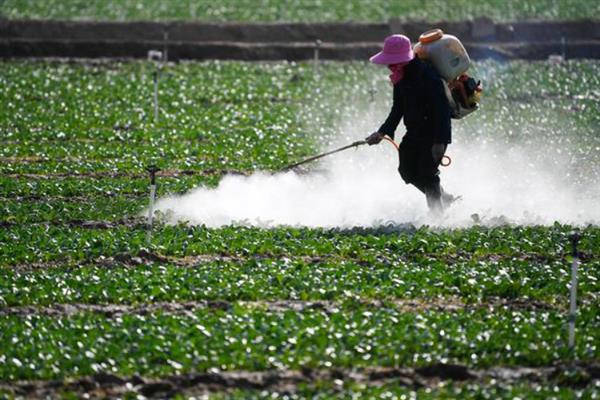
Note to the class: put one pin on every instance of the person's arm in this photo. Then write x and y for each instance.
(395, 115)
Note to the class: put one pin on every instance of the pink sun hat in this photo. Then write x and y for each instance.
(396, 49)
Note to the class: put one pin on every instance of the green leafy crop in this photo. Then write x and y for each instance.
(76, 137)
(299, 10)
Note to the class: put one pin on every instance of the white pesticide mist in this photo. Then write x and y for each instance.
(499, 183)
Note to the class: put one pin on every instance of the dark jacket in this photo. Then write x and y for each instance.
(421, 99)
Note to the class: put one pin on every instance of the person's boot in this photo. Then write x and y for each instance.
(435, 204)
(433, 193)
(448, 199)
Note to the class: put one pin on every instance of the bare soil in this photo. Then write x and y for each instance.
(103, 385)
(144, 257)
(446, 304)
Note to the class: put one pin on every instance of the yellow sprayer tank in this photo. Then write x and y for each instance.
(446, 53)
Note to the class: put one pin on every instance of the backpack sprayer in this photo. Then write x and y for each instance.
(354, 145)
(451, 60)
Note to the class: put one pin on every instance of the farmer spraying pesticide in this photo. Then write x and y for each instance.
(428, 91)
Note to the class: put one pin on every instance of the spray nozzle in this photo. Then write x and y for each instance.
(152, 170)
(575, 237)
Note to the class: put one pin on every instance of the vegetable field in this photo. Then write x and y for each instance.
(299, 10)
(88, 304)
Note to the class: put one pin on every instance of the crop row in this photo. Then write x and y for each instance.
(498, 391)
(61, 211)
(254, 339)
(100, 187)
(35, 243)
(344, 389)
(300, 10)
(298, 279)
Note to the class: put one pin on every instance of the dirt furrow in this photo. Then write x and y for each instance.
(102, 385)
(444, 304)
(147, 258)
(144, 257)
(130, 222)
(73, 199)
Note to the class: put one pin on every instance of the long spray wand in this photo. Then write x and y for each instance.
(447, 159)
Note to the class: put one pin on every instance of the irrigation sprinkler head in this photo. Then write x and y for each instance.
(575, 237)
(152, 170)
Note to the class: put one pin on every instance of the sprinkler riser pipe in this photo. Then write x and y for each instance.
(573, 289)
(573, 302)
(316, 58)
(151, 213)
(151, 206)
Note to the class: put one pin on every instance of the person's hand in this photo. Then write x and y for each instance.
(374, 138)
(437, 151)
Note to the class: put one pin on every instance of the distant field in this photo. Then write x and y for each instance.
(301, 10)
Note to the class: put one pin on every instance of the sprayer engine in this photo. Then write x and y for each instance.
(463, 95)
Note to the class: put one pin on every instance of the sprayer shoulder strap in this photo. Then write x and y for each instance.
(449, 97)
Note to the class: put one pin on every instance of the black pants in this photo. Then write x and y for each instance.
(418, 168)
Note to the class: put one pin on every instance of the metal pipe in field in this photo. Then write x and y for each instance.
(151, 205)
(316, 57)
(573, 296)
(150, 213)
(152, 169)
